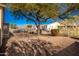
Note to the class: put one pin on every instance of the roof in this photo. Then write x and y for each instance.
(61, 24)
(2, 5)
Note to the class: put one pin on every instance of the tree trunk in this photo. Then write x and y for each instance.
(38, 29)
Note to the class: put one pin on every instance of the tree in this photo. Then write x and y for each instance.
(73, 19)
(40, 12)
(13, 26)
(71, 7)
(35, 12)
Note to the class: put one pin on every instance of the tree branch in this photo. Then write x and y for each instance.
(29, 18)
(72, 7)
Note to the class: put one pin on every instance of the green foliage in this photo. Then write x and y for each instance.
(39, 11)
(72, 19)
(71, 7)
(35, 12)
(45, 10)
(29, 26)
(13, 26)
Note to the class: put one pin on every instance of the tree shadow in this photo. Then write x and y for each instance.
(72, 50)
(75, 37)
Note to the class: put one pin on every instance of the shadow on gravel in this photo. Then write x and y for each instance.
(3, 47)
(72, 50)
(77, 38)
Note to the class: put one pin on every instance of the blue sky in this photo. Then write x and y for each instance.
(9, 18)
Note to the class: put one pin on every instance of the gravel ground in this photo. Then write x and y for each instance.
(63, 46)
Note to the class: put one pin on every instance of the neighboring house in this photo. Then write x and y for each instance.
(53, 26)
(71, 22)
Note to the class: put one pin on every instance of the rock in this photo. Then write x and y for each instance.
(30, 47)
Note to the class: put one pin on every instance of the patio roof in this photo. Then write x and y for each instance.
(2, 5)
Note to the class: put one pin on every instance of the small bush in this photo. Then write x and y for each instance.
(54, 32)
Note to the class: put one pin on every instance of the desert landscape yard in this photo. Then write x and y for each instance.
(38, 29)
(61, 45)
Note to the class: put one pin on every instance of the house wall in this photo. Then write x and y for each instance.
(0, 17)
(53, 26)
(2, 8)
(1, 23)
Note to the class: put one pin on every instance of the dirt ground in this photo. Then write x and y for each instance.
(65, 46)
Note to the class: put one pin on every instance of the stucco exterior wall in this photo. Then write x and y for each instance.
(1, 23)
(0, 17)
(53, 26)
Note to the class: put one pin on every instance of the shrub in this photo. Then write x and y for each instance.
(54, 32)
